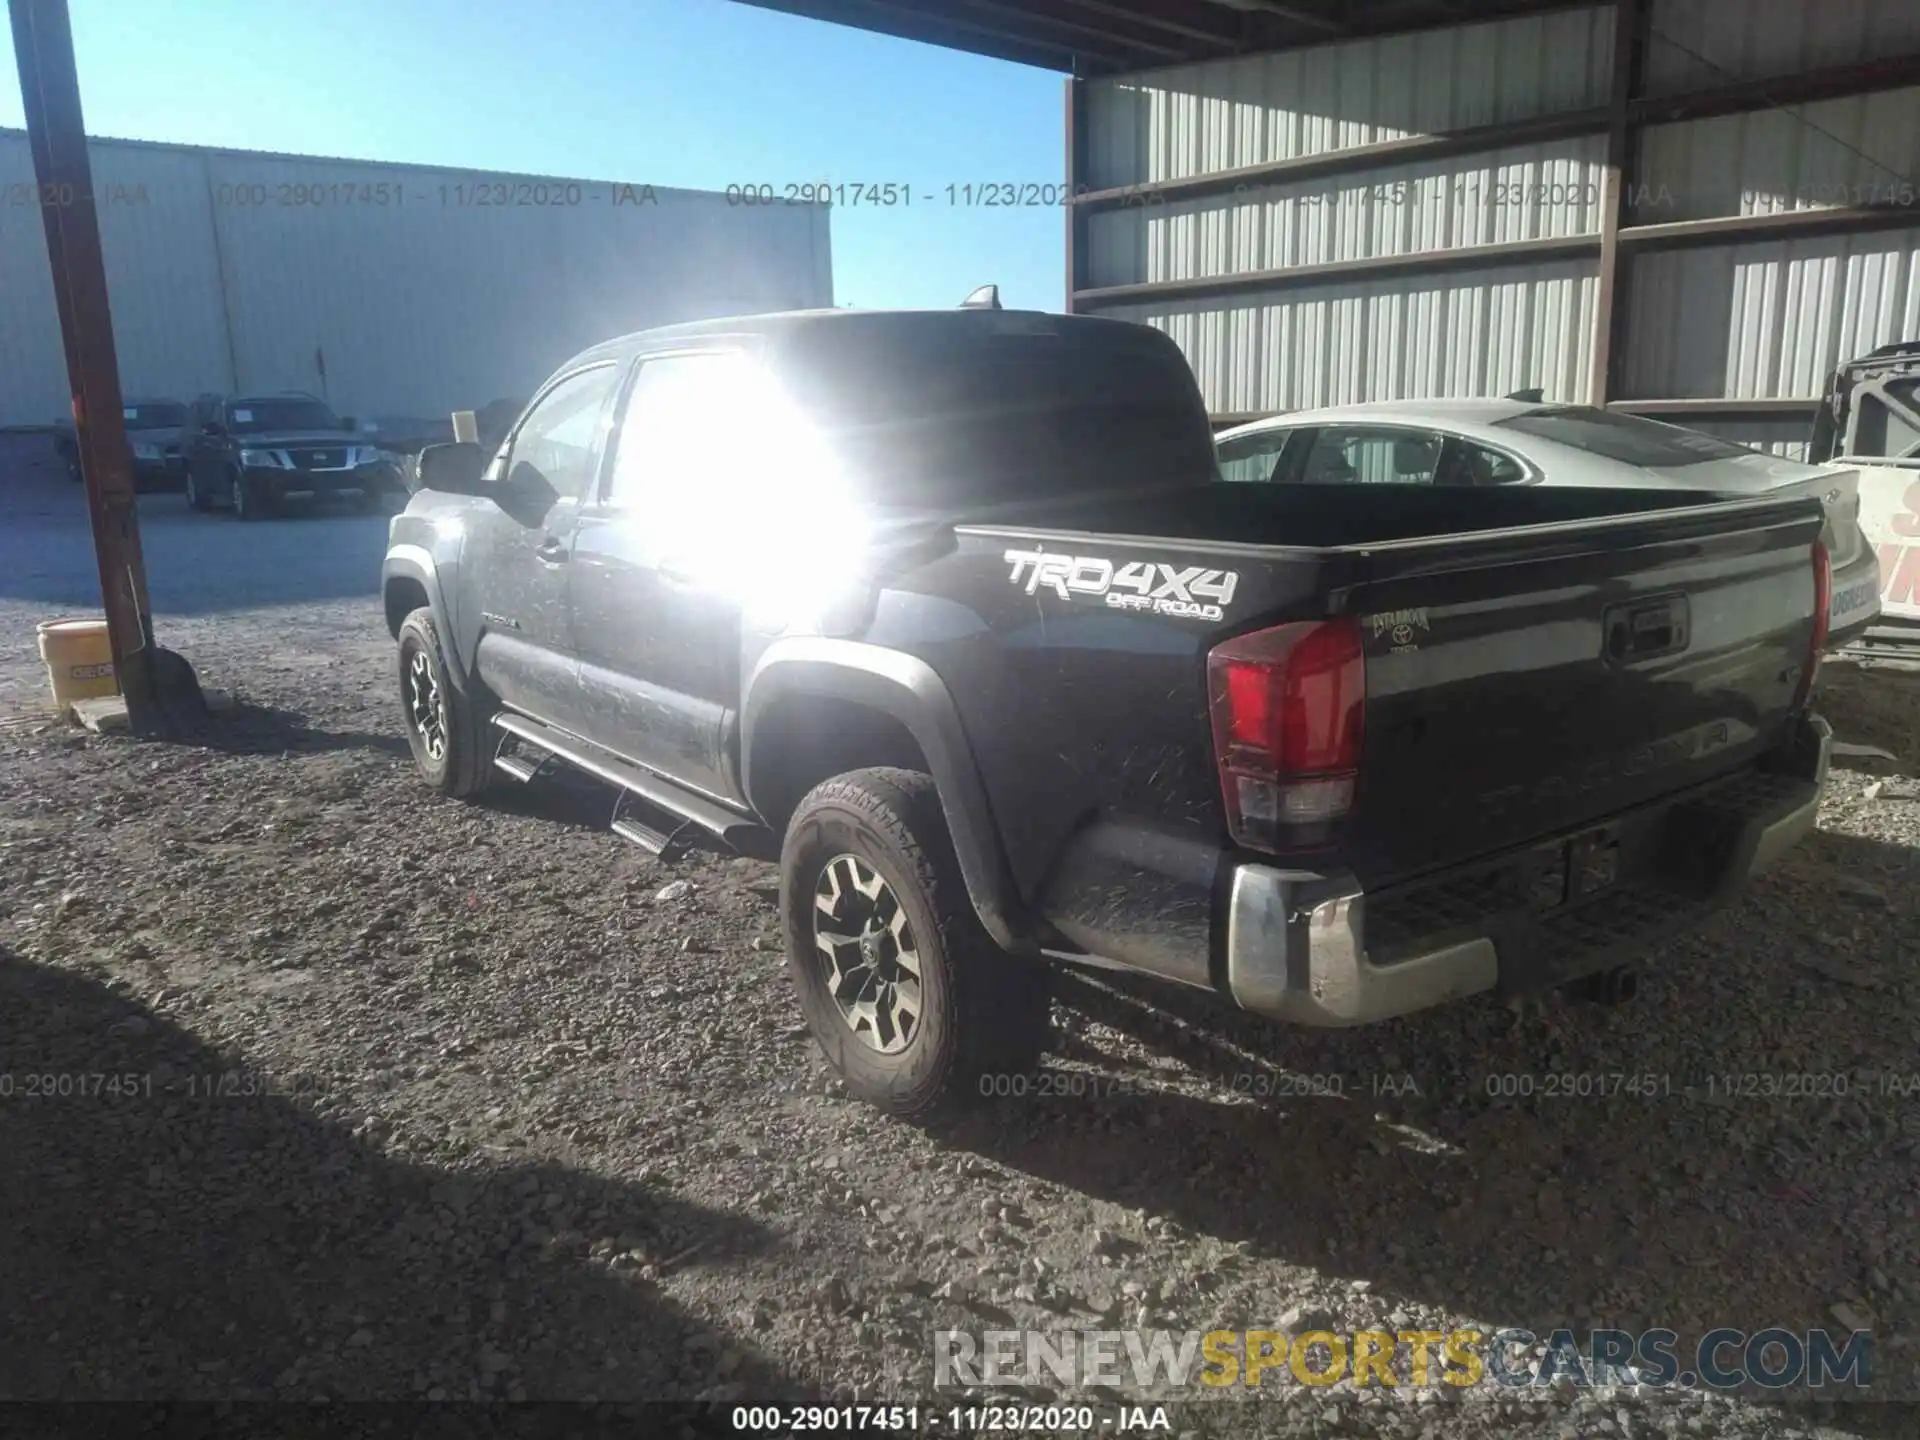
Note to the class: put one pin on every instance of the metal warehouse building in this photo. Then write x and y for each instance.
(1690, 208)
(388, 289)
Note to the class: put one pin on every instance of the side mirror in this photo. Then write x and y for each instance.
(454, 469)
(347, 422)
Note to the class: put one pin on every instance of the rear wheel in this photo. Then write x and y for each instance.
(909, 998)
(445, 728)
(197, 499)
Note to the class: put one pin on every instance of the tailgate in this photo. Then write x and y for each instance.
(1524, 682)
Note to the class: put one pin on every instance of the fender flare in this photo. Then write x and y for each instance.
(415, 562)
(911, 692)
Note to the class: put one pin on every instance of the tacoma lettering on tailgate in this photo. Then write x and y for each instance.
(1188, 592)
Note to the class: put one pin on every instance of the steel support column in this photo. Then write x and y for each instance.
(1632, 19)
(1075, 90)
(50, 90)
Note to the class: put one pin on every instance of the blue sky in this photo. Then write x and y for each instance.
(697, 93)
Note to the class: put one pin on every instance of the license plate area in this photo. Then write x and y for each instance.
(1569, 871)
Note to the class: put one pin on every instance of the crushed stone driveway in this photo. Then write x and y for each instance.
(314, 1085)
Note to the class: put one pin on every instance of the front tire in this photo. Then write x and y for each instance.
(445, 730)
(196, 500)
(248, 500)
(907, 995)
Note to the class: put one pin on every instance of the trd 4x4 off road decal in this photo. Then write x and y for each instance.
(1188, 592)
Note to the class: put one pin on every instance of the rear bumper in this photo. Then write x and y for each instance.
(1855, 607)
(1316, 949)
(168, 474)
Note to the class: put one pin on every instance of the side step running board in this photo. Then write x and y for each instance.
(518, 766)
(736, 830)
(645, 836)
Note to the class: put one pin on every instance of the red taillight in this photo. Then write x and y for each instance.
(1287, 708)
(1822, 604)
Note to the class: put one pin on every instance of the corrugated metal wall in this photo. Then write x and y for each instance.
(1755, 320)
(1489, 334)
(1853, 151)
(1467, 333)
(1697, 44)
(1767, 321)
(1529, 192)
(220, 278)
(1195, 119)
(1785, 438)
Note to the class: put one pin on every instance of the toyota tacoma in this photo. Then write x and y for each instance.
(951, 614)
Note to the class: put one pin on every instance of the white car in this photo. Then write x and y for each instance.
(1519, 442)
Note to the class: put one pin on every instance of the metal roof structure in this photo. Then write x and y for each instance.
(1104, 37)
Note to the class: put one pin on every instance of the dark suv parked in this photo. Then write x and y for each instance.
(250, 452)
(156, 434)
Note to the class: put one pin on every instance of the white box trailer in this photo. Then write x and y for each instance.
(384, 288)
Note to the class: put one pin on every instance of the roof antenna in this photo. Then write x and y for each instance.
(987, 297)
(1534, 396)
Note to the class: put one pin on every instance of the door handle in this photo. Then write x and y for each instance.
(551, 551)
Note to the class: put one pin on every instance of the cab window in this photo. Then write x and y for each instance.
(558, 444)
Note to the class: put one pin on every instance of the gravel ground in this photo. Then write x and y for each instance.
(427, 1099)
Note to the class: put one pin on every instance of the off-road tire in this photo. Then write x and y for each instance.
(984, 1013)
(464, 767)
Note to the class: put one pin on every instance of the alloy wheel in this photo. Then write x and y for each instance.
(867, 954)
(426, 710)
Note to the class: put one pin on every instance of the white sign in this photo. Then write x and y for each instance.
(1890, 516)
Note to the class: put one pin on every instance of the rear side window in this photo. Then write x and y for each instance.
(1350, 454)
(1629, 439)
(1476, 465)
(681, 430)
(1252, 458)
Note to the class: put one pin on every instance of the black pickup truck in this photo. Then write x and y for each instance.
(952, 614)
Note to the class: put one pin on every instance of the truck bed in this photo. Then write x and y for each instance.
(1508, 693)
(1329, 517)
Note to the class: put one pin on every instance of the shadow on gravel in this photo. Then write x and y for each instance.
(254, 729)
(571, 798)
(1677, 1211)
(168, 1244)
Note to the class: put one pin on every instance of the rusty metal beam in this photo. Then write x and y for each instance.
(1785, 225)
(1420, 262)
(1352, 160)
(1297, 14)
(1005, 39)
(1121, 33)
(1631, 27)
(1889, 72)
(50, 90)
(1193, 19)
